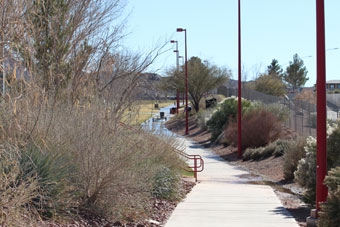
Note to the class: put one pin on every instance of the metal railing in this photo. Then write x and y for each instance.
(195, 168)
(198, 165)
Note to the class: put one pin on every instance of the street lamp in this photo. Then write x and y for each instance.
(177, 65)
(186, 82)
(239, 144)
(182, 64)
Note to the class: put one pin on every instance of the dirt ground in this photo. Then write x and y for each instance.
(268, 171)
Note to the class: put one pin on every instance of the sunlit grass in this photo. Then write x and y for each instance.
(146, 109)
(187, 174)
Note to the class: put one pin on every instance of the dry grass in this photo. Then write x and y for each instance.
(259, 128)
(144, 110)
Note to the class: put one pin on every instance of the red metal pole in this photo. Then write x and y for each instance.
(186, 87)
(195, 168)
(321, 163)
(239, 145)
(177, 65)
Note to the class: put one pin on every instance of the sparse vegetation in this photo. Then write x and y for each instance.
(277, 148)
(63, 147)
(259, 128)
(329, 215)
(225, 113)
(292, 156)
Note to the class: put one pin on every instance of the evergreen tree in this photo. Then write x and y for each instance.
(296, 73)
(274, 69)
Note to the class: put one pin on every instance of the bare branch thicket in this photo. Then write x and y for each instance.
(63, 38)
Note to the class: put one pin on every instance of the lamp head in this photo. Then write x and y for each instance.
(180, 29)
(173, 41)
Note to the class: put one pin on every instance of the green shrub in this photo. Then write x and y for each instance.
(276, 148)
(293, 153)
(227, 111)
(281, 147)
(333, 145)
(259, 128)
(166, 185)
(53, 170)
(252, 154)
(268, 150)
(305, 174)
(330, 210)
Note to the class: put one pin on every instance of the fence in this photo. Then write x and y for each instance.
(301, 114)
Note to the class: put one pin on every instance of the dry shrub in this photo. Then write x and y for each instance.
(259, 128)
(292, 157)
(15, 193)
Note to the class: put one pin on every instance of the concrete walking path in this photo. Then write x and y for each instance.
(223, 198)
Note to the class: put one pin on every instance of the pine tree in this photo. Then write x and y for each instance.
(274, 69)
(296, 73)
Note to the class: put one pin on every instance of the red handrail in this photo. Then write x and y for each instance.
(192, 169)
(196, 168)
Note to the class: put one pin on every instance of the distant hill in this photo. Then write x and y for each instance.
(148, 84)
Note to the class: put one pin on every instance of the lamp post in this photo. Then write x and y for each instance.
(182, 64)
(321, 144)
(177, 65)
(186, 82)
(239, 125)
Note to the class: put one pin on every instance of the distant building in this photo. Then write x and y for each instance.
(333, 84)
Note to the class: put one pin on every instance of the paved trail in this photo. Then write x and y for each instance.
(223, 198)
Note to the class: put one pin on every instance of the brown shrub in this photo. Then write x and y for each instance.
(259, 127)
(292, 157)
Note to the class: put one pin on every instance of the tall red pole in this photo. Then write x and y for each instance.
(177, 65)
(186, 87)
(239, 145)
(321, 163)
(186, 82)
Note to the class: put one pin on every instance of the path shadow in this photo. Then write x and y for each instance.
(283, 211)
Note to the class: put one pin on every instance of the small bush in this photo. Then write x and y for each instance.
(281, 147)
(252, 154)
(293, 154)
(166, 185)
(305, 174)
(276, 148)
(329, 215)
(227, 111)
(258, 129)
(203, 116)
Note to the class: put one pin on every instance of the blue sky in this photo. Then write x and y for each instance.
(270, 29)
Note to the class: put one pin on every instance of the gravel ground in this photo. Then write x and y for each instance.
(161, 211)
(268, 171)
